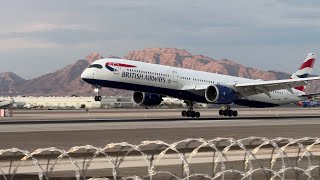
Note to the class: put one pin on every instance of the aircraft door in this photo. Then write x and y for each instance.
(286, 94)
(175, 76)
(116, 68)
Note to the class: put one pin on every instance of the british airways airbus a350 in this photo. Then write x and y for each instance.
(151, 82)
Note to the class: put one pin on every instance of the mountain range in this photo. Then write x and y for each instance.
(67, 81)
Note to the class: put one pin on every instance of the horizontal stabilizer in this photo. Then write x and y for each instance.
(310, 95)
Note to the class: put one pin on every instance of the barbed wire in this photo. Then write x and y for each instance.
(223, 158)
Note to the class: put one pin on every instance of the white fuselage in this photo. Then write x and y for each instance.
(5, 104)
(170, 81)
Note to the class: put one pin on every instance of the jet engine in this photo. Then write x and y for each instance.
(220, 94)
(146, 99)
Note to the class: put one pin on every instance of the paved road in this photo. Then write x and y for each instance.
(65, 135)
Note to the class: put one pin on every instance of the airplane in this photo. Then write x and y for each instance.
(27, 106)
(167, 101)
(308, 103)
(5, 104)
(151, 82)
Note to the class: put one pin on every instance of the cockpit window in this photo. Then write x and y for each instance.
(95, 66)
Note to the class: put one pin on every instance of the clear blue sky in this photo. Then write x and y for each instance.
(38, 37)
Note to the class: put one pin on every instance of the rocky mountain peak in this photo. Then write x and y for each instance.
(115, 57)
(10, 76)
(8, 82)
(165, 56)
(227, 61)
(93, 57)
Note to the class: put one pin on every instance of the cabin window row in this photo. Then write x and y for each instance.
(148, 72)
(202, 80)
(199, 80)
(278, 92)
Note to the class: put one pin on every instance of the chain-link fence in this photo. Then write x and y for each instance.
(194, 158)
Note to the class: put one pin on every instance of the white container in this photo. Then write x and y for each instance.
(2, 112)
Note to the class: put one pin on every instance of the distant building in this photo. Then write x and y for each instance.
(66, 102)
(117, 102)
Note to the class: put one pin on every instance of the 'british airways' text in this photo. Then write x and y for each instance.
(147, 77)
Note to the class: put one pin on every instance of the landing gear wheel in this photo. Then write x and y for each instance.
(98, 98)
(221, 112)
(235, 113)
(193, 114)
(188, 113)
(97, 91)
(225, 112)
(197, 114)
(228, 112)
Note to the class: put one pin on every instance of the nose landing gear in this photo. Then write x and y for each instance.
(97, 91)
(190, 112)
(228, 112)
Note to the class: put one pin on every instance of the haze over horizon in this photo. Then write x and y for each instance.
(39, 37)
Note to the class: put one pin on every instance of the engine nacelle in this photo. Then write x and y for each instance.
(146, 99)
(220, 94)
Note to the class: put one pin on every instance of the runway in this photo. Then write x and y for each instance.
(64, 129)
(130, 115)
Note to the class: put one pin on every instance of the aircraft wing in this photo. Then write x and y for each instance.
(252, 88)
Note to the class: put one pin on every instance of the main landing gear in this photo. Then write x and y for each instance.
(228, 112)
(97, 91)
(190, 112)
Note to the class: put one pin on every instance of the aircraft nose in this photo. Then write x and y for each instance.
(86, 74)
